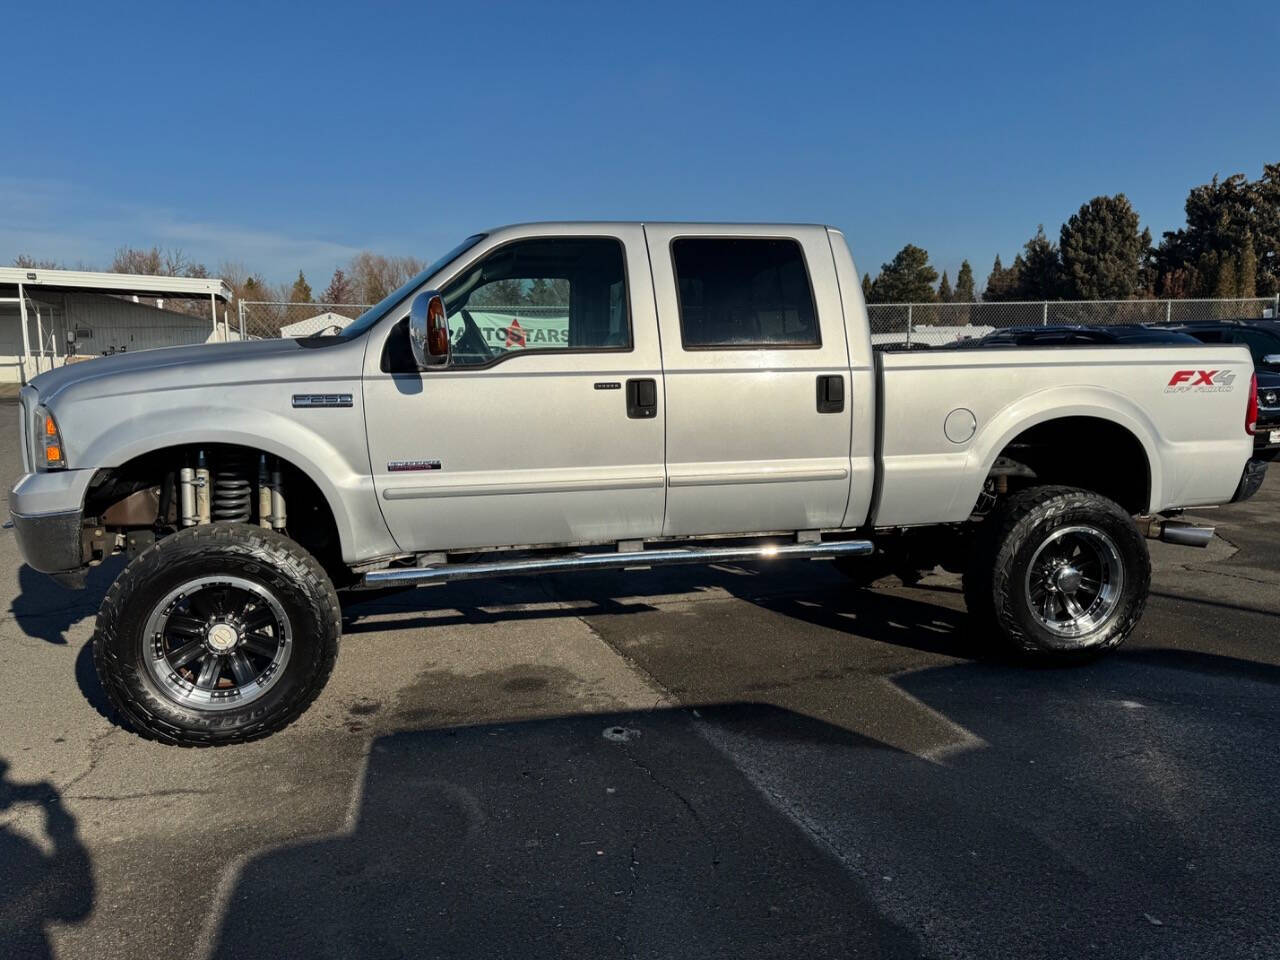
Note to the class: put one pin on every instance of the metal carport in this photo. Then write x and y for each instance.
(33, 291)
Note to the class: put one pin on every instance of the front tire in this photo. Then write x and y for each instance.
(217, 634)
(1058, 573)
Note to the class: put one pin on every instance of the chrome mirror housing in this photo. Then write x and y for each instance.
(429, 330)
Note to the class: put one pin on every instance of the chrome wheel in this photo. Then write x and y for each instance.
(1074, 581)
(217, 643)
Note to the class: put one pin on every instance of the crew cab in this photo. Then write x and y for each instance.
(548, 398)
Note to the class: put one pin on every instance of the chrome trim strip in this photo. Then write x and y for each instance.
(615, 561)
(772, 476)
(501, 489)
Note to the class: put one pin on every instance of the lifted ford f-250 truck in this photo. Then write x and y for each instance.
(557, 397)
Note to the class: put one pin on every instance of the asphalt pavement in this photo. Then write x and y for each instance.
(737, 761)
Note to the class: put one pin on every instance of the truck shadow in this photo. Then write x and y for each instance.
(1070, 824)
(922, 620)
(604, 836)
(46, 610)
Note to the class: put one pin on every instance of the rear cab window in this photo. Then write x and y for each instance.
(743, 293)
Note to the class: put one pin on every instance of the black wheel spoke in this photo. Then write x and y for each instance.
(241, 670)
(186, 625)
(210, 671)
(261, 644)
(257, 618)
(185, 654)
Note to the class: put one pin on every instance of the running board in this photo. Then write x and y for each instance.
(614, 561)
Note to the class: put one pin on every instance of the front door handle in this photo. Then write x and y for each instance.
(830, 393)
(642, 399)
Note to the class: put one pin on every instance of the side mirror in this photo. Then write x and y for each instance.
(429, 330)
(1271, 360)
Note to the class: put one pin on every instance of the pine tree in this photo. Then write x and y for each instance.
(1102, 250)
(1224, 287)
(301, 292)
(998, 283)
(1040, 277)
(965, 292)
(1247, 268)
(866, 287)
(907, 278)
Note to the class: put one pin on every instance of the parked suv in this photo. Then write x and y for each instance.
(1263, 340)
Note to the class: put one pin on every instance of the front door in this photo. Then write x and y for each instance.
(539, 431)
(757, 378)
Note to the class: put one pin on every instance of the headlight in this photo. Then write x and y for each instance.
(50, 453)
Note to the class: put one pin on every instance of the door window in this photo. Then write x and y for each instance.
(557, 293)
(743, 293)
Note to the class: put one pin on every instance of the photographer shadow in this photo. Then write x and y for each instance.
(38, 888)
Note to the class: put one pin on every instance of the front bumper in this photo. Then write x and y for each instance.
(1250, 480)
(1263, 447)
(50, 542)
(47, 511)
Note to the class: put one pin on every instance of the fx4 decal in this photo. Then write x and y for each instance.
(1201, 381)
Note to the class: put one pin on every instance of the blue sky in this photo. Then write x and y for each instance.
(290, 136)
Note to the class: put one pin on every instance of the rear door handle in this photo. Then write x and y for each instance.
(642, 399)
(830, 393)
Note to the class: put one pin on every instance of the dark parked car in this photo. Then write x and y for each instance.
(1053, 336)
(1263, 340)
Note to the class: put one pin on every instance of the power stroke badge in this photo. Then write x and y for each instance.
(408, 466)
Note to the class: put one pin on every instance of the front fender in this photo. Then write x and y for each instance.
(328, 445)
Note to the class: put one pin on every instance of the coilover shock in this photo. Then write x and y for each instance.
(232, 489)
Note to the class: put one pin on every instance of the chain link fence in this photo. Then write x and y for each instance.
(271, 319)
(893, 325)
(904, 325)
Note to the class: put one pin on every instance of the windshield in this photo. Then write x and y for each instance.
(1261, 343)
(380, 309)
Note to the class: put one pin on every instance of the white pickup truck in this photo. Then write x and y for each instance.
(565, 396)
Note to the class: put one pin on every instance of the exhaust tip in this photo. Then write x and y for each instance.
(1186, 534)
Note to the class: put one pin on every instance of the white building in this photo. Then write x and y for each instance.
(327, 322)
(48, 315)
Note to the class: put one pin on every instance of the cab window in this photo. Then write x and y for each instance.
(546, 294)
(743, 292)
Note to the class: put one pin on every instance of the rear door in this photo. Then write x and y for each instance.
(756, 366)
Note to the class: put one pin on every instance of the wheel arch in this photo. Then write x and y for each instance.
(1120, 427)
(341, 485)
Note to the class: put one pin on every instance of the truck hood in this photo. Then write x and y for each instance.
(204, 365)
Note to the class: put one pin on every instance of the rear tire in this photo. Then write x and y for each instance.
(1058, 573)
(217, 634)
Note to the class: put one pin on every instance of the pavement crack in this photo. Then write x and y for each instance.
(96, 752)
(685, 802)
(663, 695)
(136, 796)
(1216, 571)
